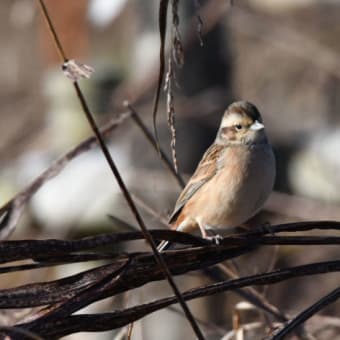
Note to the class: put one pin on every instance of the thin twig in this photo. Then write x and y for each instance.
(52, 31)
(150, 210)
(306, 314)
(253, 296)
(129, 331)
(271, 265)
(117, 175)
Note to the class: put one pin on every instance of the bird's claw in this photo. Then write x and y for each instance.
(216, 239)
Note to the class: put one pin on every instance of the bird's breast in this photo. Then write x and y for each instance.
(245, 184)
(238, 190)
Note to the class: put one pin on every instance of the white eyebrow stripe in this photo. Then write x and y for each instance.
(230, 120)
(225, 122)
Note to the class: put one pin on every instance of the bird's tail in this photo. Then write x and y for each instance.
(164, 245)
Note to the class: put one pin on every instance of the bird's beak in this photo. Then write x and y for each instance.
(256, 126)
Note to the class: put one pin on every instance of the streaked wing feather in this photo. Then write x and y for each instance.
(205, 170)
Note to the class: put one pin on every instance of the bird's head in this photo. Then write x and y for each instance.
(241, 124)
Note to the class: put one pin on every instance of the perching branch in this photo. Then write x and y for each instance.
(106, 321)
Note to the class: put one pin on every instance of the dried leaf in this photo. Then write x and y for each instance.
(162, 19)
(171, 111)
(75, 70)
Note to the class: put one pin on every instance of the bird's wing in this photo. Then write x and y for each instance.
(205, 170)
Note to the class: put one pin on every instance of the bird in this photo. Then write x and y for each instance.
(233, 179)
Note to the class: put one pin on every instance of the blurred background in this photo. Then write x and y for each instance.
(282, 55)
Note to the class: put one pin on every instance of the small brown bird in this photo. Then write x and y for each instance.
(233, 179)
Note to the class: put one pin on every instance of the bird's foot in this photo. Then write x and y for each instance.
(215, 239)
(208, 233)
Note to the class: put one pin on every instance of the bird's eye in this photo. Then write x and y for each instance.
(238, 127)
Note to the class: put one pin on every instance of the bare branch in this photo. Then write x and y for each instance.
(100, 322)
(306, 314)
